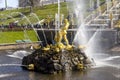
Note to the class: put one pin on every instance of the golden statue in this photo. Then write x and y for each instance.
(62, 34)
(111, 16)
(111, 19)
(113, 2)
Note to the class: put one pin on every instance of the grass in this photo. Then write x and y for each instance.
(12, 36)
(8, 16)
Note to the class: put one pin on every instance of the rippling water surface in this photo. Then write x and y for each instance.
(107, 68)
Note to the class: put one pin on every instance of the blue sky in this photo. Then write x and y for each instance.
(10, 3)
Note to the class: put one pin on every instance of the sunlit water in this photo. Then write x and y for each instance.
(107, 68)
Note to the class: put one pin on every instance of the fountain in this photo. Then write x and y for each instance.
(59, 56)
(99, 21)
(92, 38)
(62, 56)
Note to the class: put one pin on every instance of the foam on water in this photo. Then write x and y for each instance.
(6, 75)
(117, 75)
(104, 62)
(19, 54)
(10, 65)
(110, 58)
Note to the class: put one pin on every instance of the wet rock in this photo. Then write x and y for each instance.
(53, 62)
(57, 67)
(87, 61)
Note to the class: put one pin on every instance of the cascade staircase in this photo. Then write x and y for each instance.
(109, 19)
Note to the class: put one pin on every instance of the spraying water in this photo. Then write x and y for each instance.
(24, 29)
(99, 6)
(57, 18)
(40, 26)
(91, 4)
(58, 14)
(91, 43)
(81, 35)
(107, 3)
(25, 17)
(8, 16)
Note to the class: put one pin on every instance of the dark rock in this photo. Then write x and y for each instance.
(52, 62)
(57, 67)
